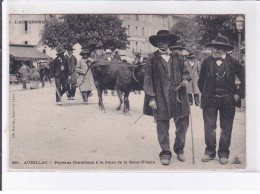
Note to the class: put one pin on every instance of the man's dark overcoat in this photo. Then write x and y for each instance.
(56, 64)
(72, 61)
(207, 81)
(161, 85)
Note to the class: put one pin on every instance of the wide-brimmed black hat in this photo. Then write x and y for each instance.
(60, 50)
(177, 46)
(191, 56)
(221, 41)
(138, 55)
(85, 51)
(163, 35)
(70, 48)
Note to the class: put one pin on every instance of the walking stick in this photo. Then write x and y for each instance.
(138, 118)
(58, 93)
(192, 142)
(191, 129)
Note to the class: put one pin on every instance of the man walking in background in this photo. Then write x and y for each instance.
(60, 71)
(72, 61)
(219, 94)
(24, 74)
(194, 69)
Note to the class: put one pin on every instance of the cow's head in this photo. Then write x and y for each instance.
(139, 71)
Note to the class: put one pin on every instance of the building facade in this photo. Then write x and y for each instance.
(26, 30)
(140, 27)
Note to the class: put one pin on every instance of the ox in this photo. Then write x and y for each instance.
(119, 76)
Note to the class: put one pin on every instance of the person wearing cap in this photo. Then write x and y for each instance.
(35, 78)
(72, 61)
(117, 56)
(138, 62)
(60, 71)
(109, 58)
(24, 74)
(219, 94)
(194, 69)
(177, 47)
(85, 80)
(165, 81)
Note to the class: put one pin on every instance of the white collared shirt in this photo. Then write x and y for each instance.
(165, 57)
(192, 63)
(219, 62)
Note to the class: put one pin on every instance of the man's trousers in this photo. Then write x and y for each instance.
(226, 108)
(61, 83)
(71, 90)
(196, 98)
(182, 125)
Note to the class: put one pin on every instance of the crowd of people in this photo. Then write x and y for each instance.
(169, 83)
(172, 82)
(34, 75)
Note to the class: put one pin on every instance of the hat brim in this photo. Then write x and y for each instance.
(60, 52)
(177, 48)
(84, 53)
(172, 38)
(191, 57)
(227, 46)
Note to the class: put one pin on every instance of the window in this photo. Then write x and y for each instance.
(128, 29)
(136, 46)
(136, 17)
(26, 42)
(26, 27)
(142, 31)
(44, 51)
(136, 30)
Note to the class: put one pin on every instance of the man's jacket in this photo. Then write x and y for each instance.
(56, 67)
(207, 79)
(160, 85)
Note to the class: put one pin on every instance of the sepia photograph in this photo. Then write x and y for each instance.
(163, 92)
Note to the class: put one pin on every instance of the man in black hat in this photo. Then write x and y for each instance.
(138, 62)
(165, 84)
(60, 71)
(72, 61)
(194, 69)
(219, 94)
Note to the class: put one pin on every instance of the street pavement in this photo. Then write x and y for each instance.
(80, 136)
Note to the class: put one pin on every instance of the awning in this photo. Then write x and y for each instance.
(27, 53)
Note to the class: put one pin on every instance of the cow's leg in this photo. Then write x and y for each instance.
(126, 103)
(119, 94)
(100, 99)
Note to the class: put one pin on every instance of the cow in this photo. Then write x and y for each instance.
(119, 76)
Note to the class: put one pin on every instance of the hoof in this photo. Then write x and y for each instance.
(118, 108)
(103, 109)
(127, 113)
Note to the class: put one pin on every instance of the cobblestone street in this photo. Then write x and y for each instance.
(47, 135)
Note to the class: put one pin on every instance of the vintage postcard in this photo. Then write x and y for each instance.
(127, 92)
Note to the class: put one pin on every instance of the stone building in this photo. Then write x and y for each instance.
(140, 27)
(26, 30)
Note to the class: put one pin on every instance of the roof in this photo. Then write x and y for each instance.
(27, 53)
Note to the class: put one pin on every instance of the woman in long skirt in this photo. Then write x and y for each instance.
(85, 80)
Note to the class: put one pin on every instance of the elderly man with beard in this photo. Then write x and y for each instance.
(220, 94)
(165, 84)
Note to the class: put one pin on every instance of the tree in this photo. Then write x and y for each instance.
(210, 26)
(187, 31)
(56, 33)
(90, 31)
